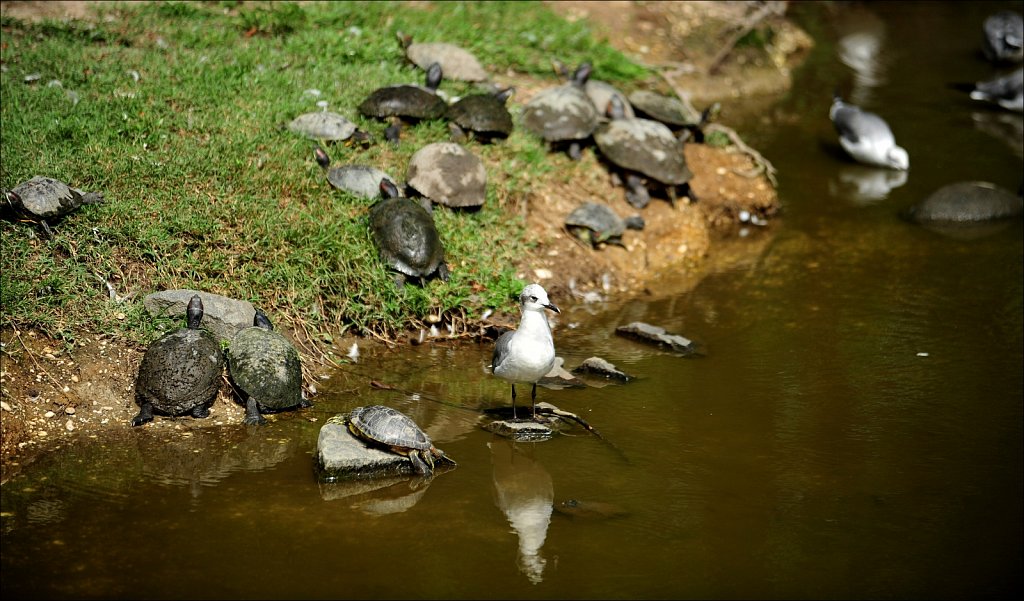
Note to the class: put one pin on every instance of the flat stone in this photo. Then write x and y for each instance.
(223, 316)
(525, 429)
(597, 366)
(645, 332)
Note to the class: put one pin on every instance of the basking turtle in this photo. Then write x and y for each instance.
(673, 112)
(389, 428)
(326, 126)
(44, 199)
(457, 63)
(449, 174)
(180, 372)
(406, 237)
(644, 149)
(265, 370)
(563, 115)
(485, 116)
(361, 180)
(406, 102)
(595, 222)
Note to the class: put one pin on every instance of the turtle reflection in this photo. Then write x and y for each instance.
(524, 492)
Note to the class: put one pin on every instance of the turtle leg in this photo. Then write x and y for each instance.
(686, 190)
(252, 414)
(442, 271)
(457, 134)
(201, 411)
(47, 232)
(305, 403)
(418, 464)
(575, 151)
(399, 280)
(636, 192)
(145, 415)
(393, 132)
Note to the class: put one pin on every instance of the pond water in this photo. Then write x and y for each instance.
(854, 430)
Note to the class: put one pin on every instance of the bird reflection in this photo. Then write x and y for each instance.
(1006, 127)
(864, 185)
(523, 490)
(860, 49)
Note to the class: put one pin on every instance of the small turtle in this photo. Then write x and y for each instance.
(180, 372)
(563, 115)
(326, 126)
(361, 180)
(43, 199)
(406, 237)
(485, 116)
(596, 223)
(966, 202)
(449, 174)
(389, 428)
(673, 112)
(457, 63)
(265, 370)
(406, 102)
(643, 148)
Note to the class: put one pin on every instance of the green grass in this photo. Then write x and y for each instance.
(206, 190)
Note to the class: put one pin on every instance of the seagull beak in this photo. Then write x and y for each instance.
(552, 307)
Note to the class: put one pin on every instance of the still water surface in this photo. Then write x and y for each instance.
(854, 430)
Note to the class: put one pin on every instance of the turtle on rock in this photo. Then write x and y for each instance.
(180, 372)
(391, 429)
(483, 115)
(265, 371)
(411, 103)
(595, 223)
(43, 200)
(406, 237)
(563, 115)
(679, 116)
(647, 153)
(361, 180)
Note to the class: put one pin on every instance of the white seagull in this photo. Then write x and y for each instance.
(527, 353)
(866, 136)
(1006, 91)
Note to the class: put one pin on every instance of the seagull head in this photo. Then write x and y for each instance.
(535, 298)
(897, 158)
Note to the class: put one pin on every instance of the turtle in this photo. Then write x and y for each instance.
(406, 237)
(43, 200)
(644, 149)
(406, 102)
(600, 92)
(457, 63)
(386, 427)
(485, 116)
(564, 114)
(180, 371)
(361, 180)
(326, 126)
(966, 202)
(265, 370)
(449, 174)
(679, 116)
(596, 223)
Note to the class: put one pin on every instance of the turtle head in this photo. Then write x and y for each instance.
(615, 109)
(434, 76)
(260, 320)
(194, 312)
(582, 74)
(388, 189)
(321, 157)
(504, 95)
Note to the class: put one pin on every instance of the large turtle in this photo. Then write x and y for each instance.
(457, 63)
(485, 116)
(406, 237)
(43, 199)
(406, 102)
(449, 174)
(564, 114)
(596, 223)
(361, 180)
(180, 372)
(644, 149)
(326, 126)
(265, 370)
(389, 428)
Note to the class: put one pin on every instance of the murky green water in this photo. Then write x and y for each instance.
(854, 431)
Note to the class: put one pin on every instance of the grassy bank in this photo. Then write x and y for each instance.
(174, 111)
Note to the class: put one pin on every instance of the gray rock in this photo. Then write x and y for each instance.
(645, 332)
(223, 316)
(967, 202)
(599, 367)
(543, 427)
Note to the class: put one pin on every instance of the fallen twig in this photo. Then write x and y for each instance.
(773, 8)
(763, 165)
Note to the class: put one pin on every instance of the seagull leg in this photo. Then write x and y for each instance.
(533, 398)
(513, 401)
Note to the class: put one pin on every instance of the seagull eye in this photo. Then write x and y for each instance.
(533, 298)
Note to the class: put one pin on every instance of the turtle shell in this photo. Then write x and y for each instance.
(561, 113)
(388, 427)
(449, 174)
(361, 180)
(456, 62)
(966, 202)
(406, 236)
(265, 367)
(47, 198)
(670, 111)
(482, 113)
(645, 146)
(323, 125)
(403, 101)
(180, 371)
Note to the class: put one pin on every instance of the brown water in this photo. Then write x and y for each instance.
(855, 430)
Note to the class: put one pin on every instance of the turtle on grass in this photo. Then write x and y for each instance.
(595, 223)
(563, 115)
(326, 127)
(180, 372)
(393, 430)
(44, 200)
(406, 237)
(411, 103)
(265, 371)
(361, 180)
(484, 116)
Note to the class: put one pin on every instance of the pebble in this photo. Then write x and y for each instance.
(70, 425)
(74, 378)
(70, 411)
(49, 414)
